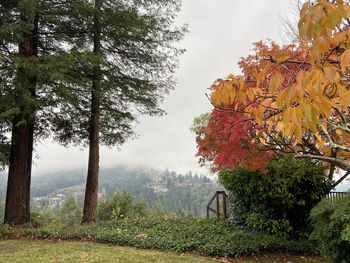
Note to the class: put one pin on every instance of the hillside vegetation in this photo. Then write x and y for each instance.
(176, 193)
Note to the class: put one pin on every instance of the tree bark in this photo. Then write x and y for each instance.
(91, 191)
(17, 207)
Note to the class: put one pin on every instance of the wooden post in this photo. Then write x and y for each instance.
(218, 204)
(224, 205)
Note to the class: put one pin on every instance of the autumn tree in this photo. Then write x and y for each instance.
(127, 60)
(224, 141)
(298, 95)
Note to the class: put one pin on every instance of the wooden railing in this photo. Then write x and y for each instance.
(220, 205)
(337, 195)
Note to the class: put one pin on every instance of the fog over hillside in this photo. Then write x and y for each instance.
(178, 193)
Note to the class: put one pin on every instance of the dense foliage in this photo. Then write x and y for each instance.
(70, 212)
(181, 234)
(81, 72)
(122, 205)
(223, 142)
(296, 97)
(280, 201)
(331, 222)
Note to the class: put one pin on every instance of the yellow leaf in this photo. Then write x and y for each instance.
(339, 132)
(282, 59)
(345, 60)
(347, 10)
(307, 110)
(275, 82)
(345, 99)
(331, 74)
(338, 39)
(250, 94)
(262, 140)
(298, 133)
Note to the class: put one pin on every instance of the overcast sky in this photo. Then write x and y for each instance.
(220, 32)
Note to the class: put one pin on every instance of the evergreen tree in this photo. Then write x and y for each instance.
(33, 73)
(127, 61)
(19, 50)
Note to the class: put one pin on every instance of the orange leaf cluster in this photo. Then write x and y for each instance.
(299, 94)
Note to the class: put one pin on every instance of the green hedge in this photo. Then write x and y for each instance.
(278, 202)
(181, 234)
(331, 221)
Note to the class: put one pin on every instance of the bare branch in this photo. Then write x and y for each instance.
(336, 161)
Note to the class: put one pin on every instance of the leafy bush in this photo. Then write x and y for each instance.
(5, 230)
(123, 205)
(346, 234)
(331, 221)
(278, 202)
(43, 216)
(70, 213)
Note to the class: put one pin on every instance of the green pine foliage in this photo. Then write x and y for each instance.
(32, 85)
(136, 60)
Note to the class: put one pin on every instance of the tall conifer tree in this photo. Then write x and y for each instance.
(32, 65)
(127, 59)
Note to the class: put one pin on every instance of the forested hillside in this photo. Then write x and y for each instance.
(177, 193)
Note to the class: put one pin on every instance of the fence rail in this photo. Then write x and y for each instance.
(337, 195)
(222, 205)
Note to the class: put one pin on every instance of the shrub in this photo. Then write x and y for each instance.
(331, 221)
(346, 234)
(5, 230)
(70, 213)
(279, 201)
(123, 205)
(42, 217)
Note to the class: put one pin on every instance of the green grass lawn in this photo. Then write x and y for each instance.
(59, 252)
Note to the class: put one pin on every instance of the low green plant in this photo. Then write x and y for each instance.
(5, 230)
(123, 205)
(180, 234)
(331, 220)
(346, 234)
(70, 213)
(43, 217)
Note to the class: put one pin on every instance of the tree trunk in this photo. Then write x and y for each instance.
(17, 207)
(91, 191)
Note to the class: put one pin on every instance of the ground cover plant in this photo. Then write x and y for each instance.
(181, 234)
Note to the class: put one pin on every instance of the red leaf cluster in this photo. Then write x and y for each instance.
(225, 142)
